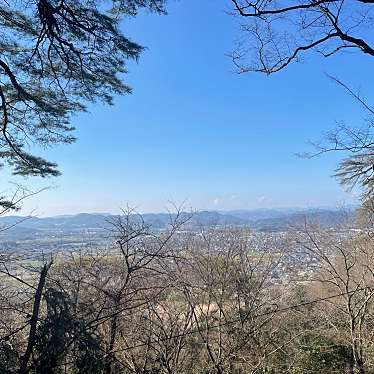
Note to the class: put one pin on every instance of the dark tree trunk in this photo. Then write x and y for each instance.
(34, 320)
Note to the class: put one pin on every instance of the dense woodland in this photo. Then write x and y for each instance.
(201, 302)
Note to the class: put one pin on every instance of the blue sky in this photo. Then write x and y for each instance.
(195, 130)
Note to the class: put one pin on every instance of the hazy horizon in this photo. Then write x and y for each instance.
(170, 209)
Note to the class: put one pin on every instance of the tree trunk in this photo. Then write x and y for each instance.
(34, 320)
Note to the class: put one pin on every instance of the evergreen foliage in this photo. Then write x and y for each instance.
(62, 338)
(56, 57)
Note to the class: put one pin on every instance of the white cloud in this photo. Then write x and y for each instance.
(263, 200)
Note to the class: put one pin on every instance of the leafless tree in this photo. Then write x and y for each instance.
(345, 267)
(232, 289)
(277, 34)
(109, 288)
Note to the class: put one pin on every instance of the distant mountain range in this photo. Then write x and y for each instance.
(260, 219)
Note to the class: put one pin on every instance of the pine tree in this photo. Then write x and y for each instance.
(56, 57)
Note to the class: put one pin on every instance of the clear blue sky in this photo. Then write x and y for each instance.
(194, 130)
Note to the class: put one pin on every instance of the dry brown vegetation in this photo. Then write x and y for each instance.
(205, 302)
